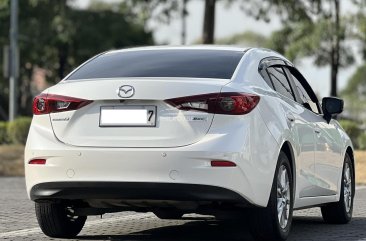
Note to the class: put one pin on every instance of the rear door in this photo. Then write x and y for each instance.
(300, 122)
(327, 151)
(328, 156)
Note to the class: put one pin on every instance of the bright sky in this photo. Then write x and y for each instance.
(232, 20)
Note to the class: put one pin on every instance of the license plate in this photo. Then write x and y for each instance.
(129, 116)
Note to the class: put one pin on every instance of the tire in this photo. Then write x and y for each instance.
(341, 212)
(168, 214)
(265, 223)
(56, 220)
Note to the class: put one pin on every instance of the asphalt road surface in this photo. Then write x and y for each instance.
(18, 222)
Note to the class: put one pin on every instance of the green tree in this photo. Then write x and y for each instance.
(57, 38)
(288, 9)
(355, 91)
(161, 10)
(164, 10)
(208, 33)
(353, 130)
(355, 95)
(311, 28)
(248, 38)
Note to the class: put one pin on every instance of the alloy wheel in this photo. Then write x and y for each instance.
(283, 197)
(347, 187)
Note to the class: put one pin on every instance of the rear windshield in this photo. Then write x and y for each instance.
(219, 64)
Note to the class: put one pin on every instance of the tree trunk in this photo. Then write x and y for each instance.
(209, 22)
(3, 114)
(184, 22)
(63, 45)
(335, 50)
(63, 50)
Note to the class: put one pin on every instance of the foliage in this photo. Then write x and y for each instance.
(18, 129)
(352, 129)
(57, 38)
(247, 38)
(355, 91)
(308, 39)
(161, 10)
(362, 141)
(107, 30)
(358, 21)
(311, 28)
(357, 84)
(288, 10)
(355, 95)
(3, 133)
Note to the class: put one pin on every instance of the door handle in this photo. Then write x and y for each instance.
(290, 117)
(317, 130)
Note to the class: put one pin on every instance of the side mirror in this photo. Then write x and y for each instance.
(331, 106)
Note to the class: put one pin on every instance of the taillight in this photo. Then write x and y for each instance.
(37, 162)
(219, 163)
(48, 103)
(228, 103)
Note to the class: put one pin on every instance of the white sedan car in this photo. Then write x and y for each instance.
(176, 130)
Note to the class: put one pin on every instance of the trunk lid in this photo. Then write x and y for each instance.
(172, 128)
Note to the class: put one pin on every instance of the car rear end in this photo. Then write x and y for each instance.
(123, 132)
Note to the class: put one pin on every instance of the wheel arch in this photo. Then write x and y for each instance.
(350, 152)
(288, 150)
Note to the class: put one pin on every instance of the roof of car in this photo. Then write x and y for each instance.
(182, 47)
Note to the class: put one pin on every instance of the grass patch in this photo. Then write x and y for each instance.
(360, 157)
(11, 160)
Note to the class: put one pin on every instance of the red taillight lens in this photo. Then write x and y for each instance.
(48, 103)
(37, 162)
(219, 163)
(228, 103)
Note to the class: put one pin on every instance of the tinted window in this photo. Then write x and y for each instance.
(304, 96)
(161, 63)
(267, 78)
(280, 81)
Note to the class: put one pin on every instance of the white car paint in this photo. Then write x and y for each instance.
(180, 150)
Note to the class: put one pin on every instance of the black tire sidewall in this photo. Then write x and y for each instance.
(53, 220)
(282, 233)
(348, 215)
(168, 214)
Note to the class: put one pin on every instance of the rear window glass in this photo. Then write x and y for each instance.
(219, 64)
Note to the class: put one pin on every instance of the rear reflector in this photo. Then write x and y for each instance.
(48, 103)
(228, 103)
(222, 164)
(37, 161)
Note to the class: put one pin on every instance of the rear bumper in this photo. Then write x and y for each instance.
(134, 191)
(189, 165)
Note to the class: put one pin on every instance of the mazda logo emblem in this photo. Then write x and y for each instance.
(126, 91)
